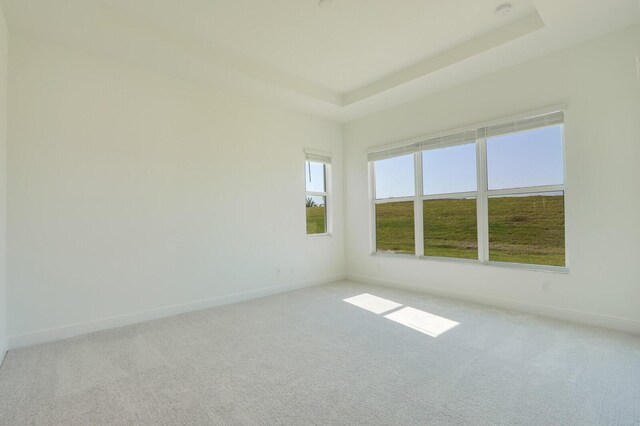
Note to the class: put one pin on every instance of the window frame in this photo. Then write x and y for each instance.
(323, 158)
(482, 195)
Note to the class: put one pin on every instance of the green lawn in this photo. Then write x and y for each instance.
(450, 228)
(521, 229)
(527, 230)
(315, 220)
(394, 227)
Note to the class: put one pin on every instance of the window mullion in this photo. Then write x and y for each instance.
(482, 202)
(418, 223)
(372, 207)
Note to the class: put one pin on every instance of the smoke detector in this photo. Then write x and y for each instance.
(503, 9)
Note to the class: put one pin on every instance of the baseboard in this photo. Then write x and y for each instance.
(597, 320)
(60, 333)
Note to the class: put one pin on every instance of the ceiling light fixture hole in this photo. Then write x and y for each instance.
(504, 9)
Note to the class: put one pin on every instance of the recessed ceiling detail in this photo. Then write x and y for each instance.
(342, 51)
(484, 42)
(342, 61)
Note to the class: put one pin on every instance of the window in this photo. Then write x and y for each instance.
(395, 189)
(449, 202)
(526, 197)
(493, 194)
(317, 178)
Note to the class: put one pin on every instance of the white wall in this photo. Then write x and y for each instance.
(597, 80)
(131, 192)
(133, 195)
(3, 183)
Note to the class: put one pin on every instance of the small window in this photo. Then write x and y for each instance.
(395, 188)
(317, 173)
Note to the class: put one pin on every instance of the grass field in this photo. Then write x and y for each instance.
(527, 230)
(315, 220)
(521, 229)
(394, 227)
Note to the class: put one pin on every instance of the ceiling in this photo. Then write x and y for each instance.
(343, 61)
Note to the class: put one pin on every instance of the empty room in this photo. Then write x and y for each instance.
(468, 250)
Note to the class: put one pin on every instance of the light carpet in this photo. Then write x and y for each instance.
(309, 357)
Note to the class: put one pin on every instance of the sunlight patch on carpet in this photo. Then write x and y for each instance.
(424, 322)
(371, 303)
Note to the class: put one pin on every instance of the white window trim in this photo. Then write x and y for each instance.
(325, 158)
(482, 196)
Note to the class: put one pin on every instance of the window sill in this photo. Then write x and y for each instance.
(318, 236)
(528, 267)
(451, 260)
(506, 265)
(394, 255)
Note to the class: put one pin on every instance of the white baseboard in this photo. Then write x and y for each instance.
(597, 320)
(166, 311)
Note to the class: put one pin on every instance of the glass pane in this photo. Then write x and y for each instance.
(448, 170)
(316, 215)
(532, 158)
(527, 229)
(314, 176)
(450, 228)
(394, 177)
(394, 228)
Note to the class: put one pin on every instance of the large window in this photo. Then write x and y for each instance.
(317, 180)
(493, 194)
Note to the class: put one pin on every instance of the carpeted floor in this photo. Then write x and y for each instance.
(308, 357)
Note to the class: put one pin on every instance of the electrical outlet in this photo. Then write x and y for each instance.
(545, 286)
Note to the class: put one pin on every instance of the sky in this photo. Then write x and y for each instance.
(518, 160)
(314, 176)
(315, 181)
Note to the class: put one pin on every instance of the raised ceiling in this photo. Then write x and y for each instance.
(341, 47)
(344, 61)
